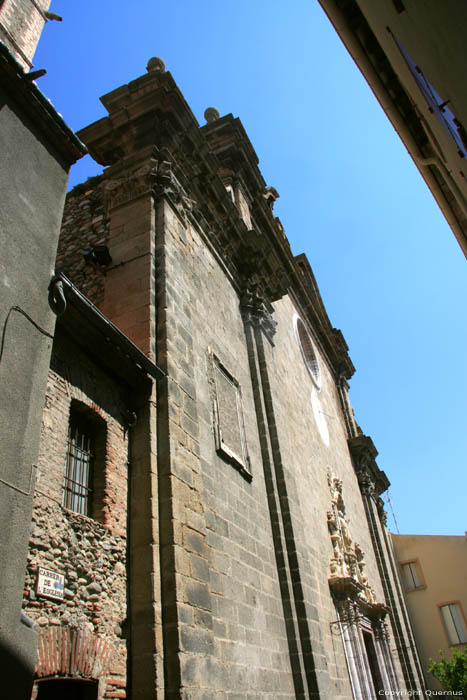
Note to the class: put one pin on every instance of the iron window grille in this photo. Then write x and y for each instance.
(77, 491)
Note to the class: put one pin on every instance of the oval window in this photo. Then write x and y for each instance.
(308, 352)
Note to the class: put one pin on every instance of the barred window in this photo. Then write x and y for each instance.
(84, 483)
(77, 485)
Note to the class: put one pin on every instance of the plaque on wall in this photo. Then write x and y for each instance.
(50, 584)
(228, 417)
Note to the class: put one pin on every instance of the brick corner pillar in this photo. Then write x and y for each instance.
(130, 141)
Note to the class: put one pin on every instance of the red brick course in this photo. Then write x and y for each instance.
(74, 653)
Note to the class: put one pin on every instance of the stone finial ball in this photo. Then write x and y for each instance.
(211, 114)
(155, 63)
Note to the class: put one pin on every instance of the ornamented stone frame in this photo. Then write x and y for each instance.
(347, 565)
(357, 608)
(226, 451)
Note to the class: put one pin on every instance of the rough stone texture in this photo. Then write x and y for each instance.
(84, 224)
(21, 24)
(93, 561)
(308, 461)
(129, 284)
(90, 552)
(92, 558)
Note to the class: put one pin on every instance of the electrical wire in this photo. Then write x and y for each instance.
(19, 310)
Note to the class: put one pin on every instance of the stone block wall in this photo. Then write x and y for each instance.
(89, 551)
(236, 487)
(233, 637)
(311, 432)
(233, 556)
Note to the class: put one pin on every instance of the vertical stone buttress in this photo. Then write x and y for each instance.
(129, 302)
(372, 483)
(185, 579)
(144, 295)
(306, 651)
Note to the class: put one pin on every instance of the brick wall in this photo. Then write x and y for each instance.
(89, 551)
(21, 24)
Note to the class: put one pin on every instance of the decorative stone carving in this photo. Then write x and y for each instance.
(347, 565)
(124, 189)
(211, 114)
(270, 195)
(155, 64)
(383, 516)
(371, 479)
(257, 309)
(155, 177)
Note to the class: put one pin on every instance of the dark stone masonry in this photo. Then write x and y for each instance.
(213, 525)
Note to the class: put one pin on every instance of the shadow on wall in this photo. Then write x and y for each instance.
(17, 672)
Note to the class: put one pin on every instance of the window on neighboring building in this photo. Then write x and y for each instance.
(411, 576)
(454, 623)
(84, 446)
(435, 102)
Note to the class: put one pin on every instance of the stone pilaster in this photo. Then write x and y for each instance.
(373, 482)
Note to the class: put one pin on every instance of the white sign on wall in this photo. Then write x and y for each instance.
(50, 584)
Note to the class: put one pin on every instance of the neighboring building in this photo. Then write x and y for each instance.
(258, 563)
(433, 571)
(413, 56)
(36, 151)
(21, 24)
(95, 444)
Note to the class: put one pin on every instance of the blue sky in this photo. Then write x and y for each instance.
(391, 274)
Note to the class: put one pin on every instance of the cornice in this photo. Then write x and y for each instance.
(372, 480)
(43, 117)
(152, 140)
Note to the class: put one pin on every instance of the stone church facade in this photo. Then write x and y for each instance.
(225, 537)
